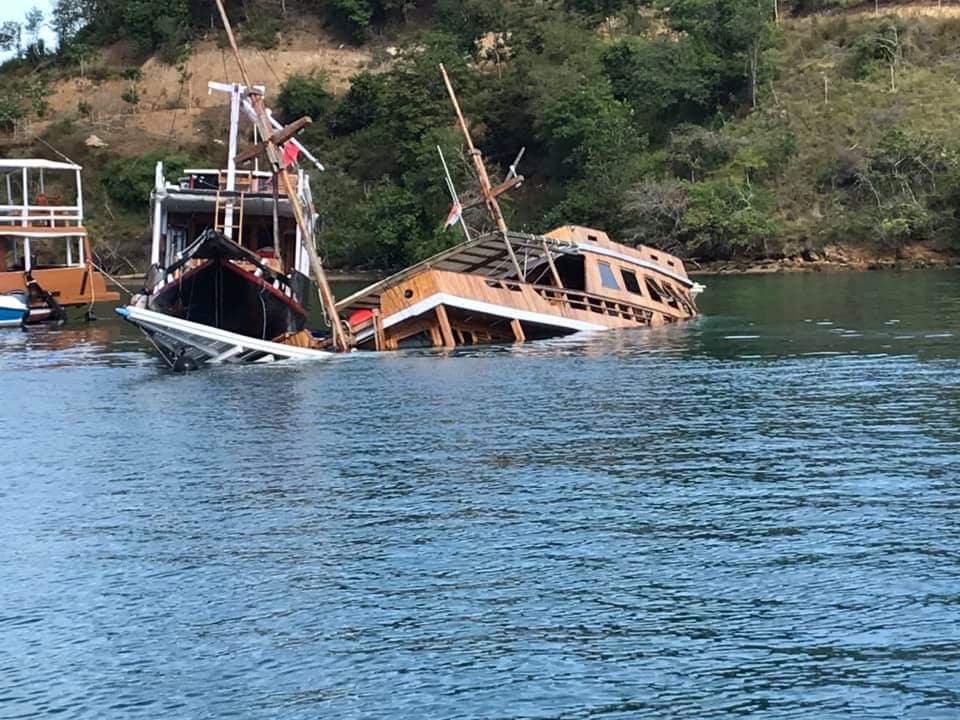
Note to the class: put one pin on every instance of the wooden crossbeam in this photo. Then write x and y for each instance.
(277, 139)
(494, 192)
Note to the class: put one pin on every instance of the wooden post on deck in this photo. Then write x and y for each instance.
(340, 342)
(445, 330)
(379, 339)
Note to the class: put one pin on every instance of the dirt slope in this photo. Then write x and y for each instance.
(170, 104)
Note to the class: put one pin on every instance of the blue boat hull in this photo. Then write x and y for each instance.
(13, 311)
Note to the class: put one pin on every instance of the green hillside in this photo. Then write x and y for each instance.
(705, 127)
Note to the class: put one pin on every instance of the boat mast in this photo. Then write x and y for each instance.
(488, 195)
(270, 142)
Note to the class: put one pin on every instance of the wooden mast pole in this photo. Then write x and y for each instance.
(491, 200)
(489, 195)
(340, 342)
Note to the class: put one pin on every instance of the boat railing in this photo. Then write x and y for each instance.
(579, 300)
(40, 215)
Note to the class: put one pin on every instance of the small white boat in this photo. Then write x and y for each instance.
(13, 309)
(186, 345)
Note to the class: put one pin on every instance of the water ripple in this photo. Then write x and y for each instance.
(754, 514)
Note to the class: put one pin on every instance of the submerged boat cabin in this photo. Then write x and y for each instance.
(45, 253)
(572, 278)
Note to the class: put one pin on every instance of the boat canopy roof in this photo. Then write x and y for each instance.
(484, 255)
(8, 165)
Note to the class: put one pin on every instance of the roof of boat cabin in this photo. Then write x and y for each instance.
(9, 164)
(487, 255)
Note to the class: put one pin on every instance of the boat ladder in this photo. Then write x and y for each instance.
(226, 201)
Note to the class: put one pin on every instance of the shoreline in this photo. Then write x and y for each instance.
(832, 259)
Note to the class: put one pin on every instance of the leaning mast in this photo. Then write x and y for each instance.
(271, 140)
(491, 193)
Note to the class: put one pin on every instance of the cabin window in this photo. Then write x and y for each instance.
(630, 281)
(656, 294)
(593, 238)
(607, 278)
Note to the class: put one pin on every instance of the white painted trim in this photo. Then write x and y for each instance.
(148, 319)
(37, 233)
(436, 299)
(27, 262)
(596, 249)
(158, 195)
(18, 163)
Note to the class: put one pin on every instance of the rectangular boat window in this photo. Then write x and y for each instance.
(655, 292)
(630, 281)
(607, 278)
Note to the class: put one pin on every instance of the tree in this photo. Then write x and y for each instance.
(735, 32)
(34, 24)
(68, 17)
(10, 39)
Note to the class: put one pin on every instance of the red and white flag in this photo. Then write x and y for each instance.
(454, 216)
(291, 151)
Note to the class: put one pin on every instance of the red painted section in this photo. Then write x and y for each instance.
(361, 316)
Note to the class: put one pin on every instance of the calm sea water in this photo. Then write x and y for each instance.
(755, 514)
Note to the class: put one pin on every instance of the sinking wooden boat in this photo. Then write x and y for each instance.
(228, 278)
(510, 287)
(471, 293)
(233, 250)
(45, 255)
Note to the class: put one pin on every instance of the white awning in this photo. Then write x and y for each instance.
(34, 163)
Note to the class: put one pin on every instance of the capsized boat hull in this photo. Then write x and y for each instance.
(177, 338)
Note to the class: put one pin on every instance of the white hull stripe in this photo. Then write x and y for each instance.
(433, 301)
(221, 342)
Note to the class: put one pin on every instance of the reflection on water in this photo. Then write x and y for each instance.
(755, 513)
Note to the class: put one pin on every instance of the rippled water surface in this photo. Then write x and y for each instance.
(754, 514)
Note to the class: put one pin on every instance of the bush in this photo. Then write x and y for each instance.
(361, 106)
(726, 219)
(10, 111)
(130, 95)
(305, 96)
(129, 181)
(261, 30)
(883, 45)
(692, 151)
